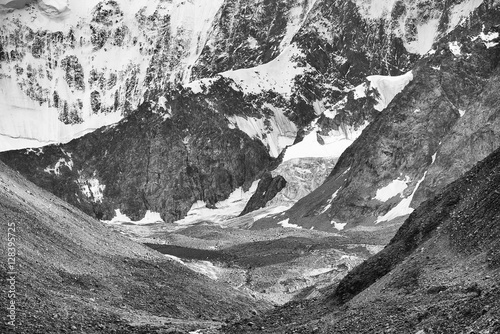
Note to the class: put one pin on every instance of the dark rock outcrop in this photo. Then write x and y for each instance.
(264, 24)
(267, 189)
(150, 161)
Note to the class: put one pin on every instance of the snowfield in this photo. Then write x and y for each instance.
(277, 75)
(394, 188)
(403, 208)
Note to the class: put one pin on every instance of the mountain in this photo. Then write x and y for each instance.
(439, 274)
(442, 123)
(283, 141)
(263, 75)
(73, 273)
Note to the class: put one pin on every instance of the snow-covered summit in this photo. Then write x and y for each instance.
(70, 66)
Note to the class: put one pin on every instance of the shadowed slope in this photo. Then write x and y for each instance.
(74, 273)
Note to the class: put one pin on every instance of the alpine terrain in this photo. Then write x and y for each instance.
(209, 159)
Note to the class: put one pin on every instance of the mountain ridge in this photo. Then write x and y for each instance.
(315, 82)
(425, 117)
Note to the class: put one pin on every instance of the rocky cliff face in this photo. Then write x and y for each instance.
(439, 126)
(265, 73)
(466, 213)
(267, 189)
(150, 162)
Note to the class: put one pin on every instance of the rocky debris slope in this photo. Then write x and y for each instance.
(443, 122)
(439, 274)
(74, 274)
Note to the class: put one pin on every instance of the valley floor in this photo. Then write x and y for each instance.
(277, 264)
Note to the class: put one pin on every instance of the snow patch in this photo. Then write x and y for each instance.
(277, 134)
(149, 218)
(286, 224)
(334, 144)
(394, 188)
(375, 9)
(200, 331)
(488, 39)
(57, 167)
(338, 226)
(455, 48)
(174, 258)
(332, 111)
(426, 35)
(360, 91)
(277, 75)
(162, 102)
(272, 211)
(252, 42)
(200, 86)
(92, 188)
(36, 151)
(227, 209)
(434, 157)
(205, 268)
(403, 208)
(461, 11)
(388, 87)
(330, 201)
